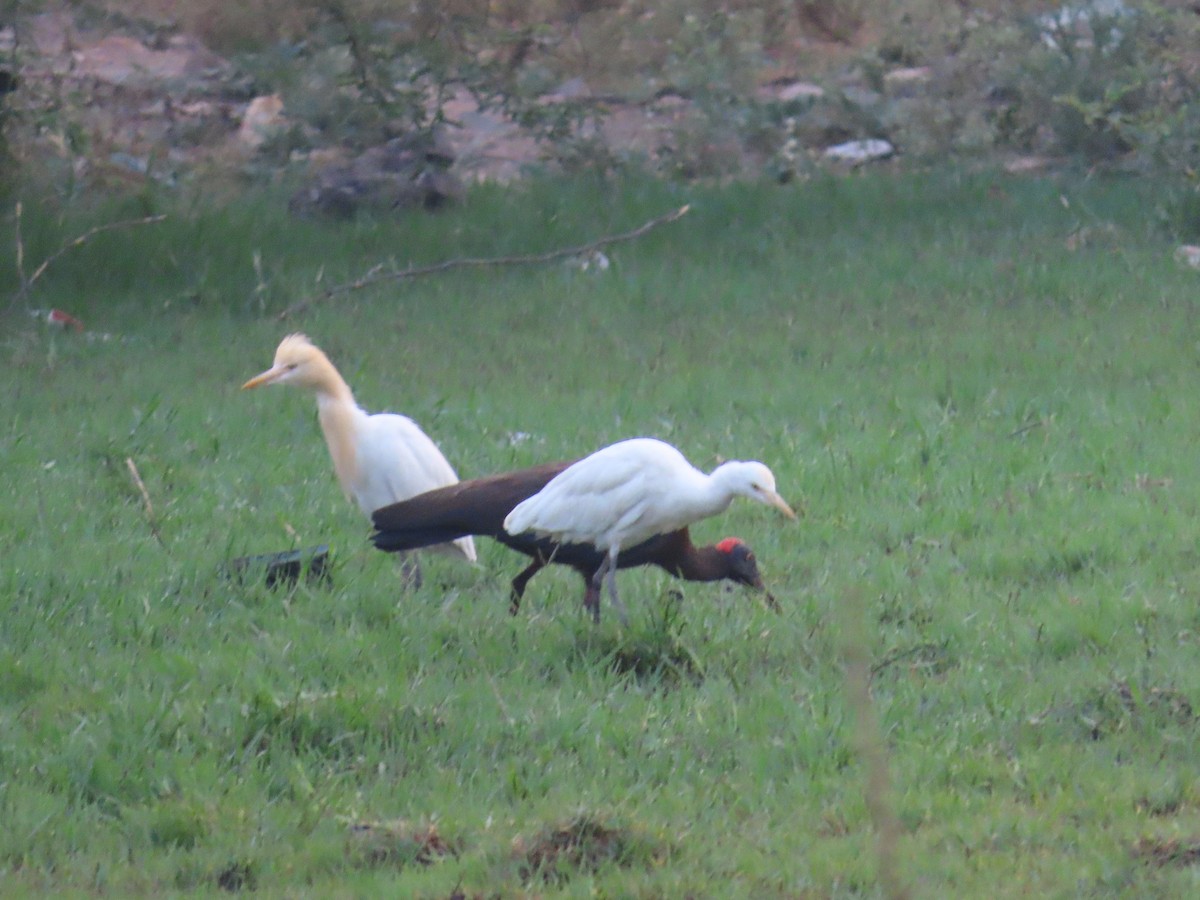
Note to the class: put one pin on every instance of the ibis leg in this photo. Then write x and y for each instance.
(518, 584)
(591, 599)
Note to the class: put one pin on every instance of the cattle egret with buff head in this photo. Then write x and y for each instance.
(379, 459)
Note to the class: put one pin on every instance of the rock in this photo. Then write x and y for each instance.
(789, 90)
(141, 166)
(801, 90)
(120, 60)
(1076, 25)
(859, 152)
(905, 82)
(1024, 164)
(1188, 255)
(571, 89)
(263, 120)
(591, 261)
(138, 165)
(198, 109)
(47, 33)
(405, 172)
(486, 144)
(860, 96)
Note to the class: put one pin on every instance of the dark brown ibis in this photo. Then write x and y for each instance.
(479, 507)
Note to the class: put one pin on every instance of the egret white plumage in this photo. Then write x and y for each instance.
(631, 491)
(379, 459)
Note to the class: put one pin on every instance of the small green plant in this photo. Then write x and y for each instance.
(177, 823)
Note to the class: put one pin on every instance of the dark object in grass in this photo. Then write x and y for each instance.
(397, 844)
(284, 568)
(478, 507)
(583, 845)
(1167, 852)
(237, 876)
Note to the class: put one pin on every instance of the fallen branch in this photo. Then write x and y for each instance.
(1028, 427)
(375, 276)
(27, 283)
(141, 486)
(898, 655)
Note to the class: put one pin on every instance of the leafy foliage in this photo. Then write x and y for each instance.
(1094, 82)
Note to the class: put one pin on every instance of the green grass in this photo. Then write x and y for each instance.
(992, 437)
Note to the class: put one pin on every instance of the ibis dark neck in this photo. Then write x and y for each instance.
(704, 564)
(683, 558)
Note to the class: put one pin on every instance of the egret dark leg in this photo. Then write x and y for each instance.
(518, 584)
(593, 591)
(622, 613)
(410, 571)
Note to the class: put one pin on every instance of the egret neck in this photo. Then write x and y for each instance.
(340, 418)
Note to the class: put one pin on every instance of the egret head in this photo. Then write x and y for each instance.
(754, 480)
(298, 361)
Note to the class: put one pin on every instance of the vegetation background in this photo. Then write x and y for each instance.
(975, 384)
(738, 89)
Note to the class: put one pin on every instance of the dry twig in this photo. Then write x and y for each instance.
(898, 655)
(141, 486)
(1025, 429)
(27, 283)
(376, 276)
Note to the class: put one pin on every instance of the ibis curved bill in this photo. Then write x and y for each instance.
(630, 492)
(379, 459)
(478, 507)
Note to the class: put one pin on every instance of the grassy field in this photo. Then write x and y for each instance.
(979, 390)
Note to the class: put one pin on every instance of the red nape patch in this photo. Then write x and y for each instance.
(728, 545)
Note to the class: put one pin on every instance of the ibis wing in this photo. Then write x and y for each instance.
(475, 507)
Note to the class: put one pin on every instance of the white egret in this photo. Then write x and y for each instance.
(379, 459)
(632, 491)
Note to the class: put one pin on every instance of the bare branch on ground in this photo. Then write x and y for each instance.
(27, 282)
(149, 507)
(375, 275)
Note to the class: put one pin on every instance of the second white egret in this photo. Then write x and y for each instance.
(631, 491)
